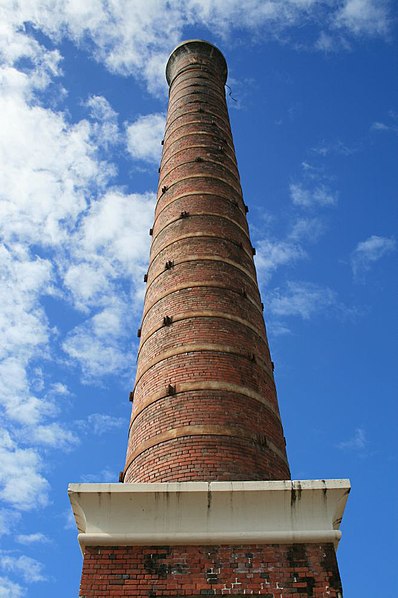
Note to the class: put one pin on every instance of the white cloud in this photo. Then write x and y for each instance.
(144, 136)
(303, 299)
(381, 126)
(357, 443)
(9, 589)
(29, 569)
(270, 255)
(48, 168)
(23, 328)
(369, 17)
(320, 195)
(111, 248)
(105, 127)
(28, 539)
(136, 37)
(98, 356)
(22, 484)
(370, 251)
(117, 227)
(8, 519)
(51, 435)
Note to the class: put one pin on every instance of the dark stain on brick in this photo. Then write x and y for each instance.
(153, 565)
(329, 565)
(297, 556)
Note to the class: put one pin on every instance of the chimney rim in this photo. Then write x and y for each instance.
(213, 49)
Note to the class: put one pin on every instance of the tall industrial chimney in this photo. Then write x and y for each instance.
(206, 506)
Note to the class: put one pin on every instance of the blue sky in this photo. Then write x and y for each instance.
(314, 114)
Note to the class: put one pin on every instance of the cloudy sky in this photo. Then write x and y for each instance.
(313, 103)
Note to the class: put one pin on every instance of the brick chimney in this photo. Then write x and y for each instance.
(205, 405)
(207, 506)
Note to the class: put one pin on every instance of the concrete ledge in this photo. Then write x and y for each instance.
(272, 512)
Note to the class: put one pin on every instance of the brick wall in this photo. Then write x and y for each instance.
(291, 571)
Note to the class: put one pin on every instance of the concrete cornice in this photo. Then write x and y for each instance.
(299, 511)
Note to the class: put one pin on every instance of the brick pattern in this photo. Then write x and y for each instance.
(273, 571)
(205, 405)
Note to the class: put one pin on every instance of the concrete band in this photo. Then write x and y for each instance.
(204, 314)
(205, 258)
(204, 385)
(208, 284)
(204, 160)
(201, 80)
(206, 538)
(189, 431)
(209, 148)
(174, 97)
(195, 235)
(195, 215)
(189, 134)
(200, 348)
(207, 176)
(214, 115)
(236, 203)
(165, 204)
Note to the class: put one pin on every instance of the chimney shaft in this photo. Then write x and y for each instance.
(205, 405)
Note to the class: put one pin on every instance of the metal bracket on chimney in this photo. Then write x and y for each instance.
(169, 265)
(167, 321)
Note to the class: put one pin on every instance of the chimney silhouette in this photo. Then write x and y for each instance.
(207, 506)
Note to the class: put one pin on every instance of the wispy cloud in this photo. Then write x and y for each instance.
(370, 251)
(382, 126)
(309, 197)
(303, 299)
(369, 17)
(270, 255)
(9, 589)
(358, 442)
(100, 423)
(22, 484)
(28, 539)
(307, 229)
(326, 148)
(29, 569)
